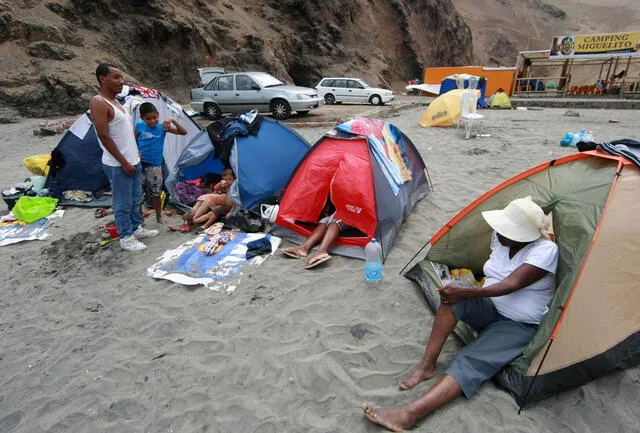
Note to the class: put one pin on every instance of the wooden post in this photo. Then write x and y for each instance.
(568, 82)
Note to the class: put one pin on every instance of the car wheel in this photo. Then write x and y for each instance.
(303, 113)
(280, 109)
(212, 111)
(375, 100)
(329, 99)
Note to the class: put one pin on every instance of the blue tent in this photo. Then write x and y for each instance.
(449, 83)
(77, 160)
(262, 163)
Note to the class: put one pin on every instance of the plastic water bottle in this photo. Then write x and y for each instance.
(373, 263)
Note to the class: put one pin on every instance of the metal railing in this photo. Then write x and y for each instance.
(547, 85)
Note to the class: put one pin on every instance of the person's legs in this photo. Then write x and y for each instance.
(476, 312)
(152, 178)
(322, 252)
(136, 198)
(199, 209)
(443, 325)
(316, 236)
(499, 343)
(445, 390)
(121, 188)
(496, 346)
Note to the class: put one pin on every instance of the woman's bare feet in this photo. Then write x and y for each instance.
(419, 374)
(392, 419)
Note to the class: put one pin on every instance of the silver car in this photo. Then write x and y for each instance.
(244, 91)
(345, 89)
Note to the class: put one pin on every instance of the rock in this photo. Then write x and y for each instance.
(8, 28)
(571, 113)
(44, 132)
(613, 121)
(9, 115)
(50, 50)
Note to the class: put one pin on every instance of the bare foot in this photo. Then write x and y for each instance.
(295, 252)
(392, 419)
(418, 375)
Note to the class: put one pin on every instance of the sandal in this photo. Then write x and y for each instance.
(316, 260)
(100, 213)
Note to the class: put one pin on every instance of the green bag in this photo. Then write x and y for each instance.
(31, 209)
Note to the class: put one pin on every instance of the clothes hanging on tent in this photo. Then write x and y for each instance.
(387, 145)
(626, 147)
(223, 133)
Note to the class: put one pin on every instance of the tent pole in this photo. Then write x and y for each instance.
(526, 395)
(414, 256)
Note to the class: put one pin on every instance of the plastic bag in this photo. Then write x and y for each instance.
(31, 209)
(37, 164)
(248, 221)
(572, 140)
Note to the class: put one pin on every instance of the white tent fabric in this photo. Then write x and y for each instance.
(167, 109)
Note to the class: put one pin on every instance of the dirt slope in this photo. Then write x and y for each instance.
(50, 48)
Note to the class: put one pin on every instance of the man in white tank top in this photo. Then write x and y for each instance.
(120, 159)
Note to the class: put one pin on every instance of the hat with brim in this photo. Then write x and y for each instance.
(520, 221)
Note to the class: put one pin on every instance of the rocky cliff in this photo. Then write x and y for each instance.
(50, 48)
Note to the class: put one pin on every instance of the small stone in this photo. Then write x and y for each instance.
(613, 121)
(571, 113)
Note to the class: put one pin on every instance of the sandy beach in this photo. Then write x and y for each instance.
(91, 344)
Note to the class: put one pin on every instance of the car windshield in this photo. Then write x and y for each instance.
(266, 80)
(365, 84)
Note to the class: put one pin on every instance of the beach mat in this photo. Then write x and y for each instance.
(37, 230)
(188, 265)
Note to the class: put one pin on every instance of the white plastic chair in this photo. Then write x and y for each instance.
(468, 103)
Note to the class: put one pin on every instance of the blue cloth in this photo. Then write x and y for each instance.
(127, 196)
(150, 142)
(258, 247)
(500, 341)
(626, 147)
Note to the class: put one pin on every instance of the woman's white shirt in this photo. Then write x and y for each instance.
(528, 304)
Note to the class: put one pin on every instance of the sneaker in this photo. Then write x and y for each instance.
(142, 233)
(130, 243)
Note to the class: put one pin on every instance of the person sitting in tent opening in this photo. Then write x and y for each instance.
(506, 311)
(210, 207)
(325, 234)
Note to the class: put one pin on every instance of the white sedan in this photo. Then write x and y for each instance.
(341, 89)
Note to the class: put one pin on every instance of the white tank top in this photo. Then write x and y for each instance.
(121, 131)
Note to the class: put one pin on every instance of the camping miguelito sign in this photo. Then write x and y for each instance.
(625, 44)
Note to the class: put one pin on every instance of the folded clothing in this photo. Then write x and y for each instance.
(259, 247)
(216, 242)
(78, 195)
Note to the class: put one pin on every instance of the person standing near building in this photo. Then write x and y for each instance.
(120, 159)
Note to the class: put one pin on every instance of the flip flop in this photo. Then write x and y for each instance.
(317, 261)
(292, 254)
(100, 213)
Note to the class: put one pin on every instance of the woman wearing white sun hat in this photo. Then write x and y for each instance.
(506, 311)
